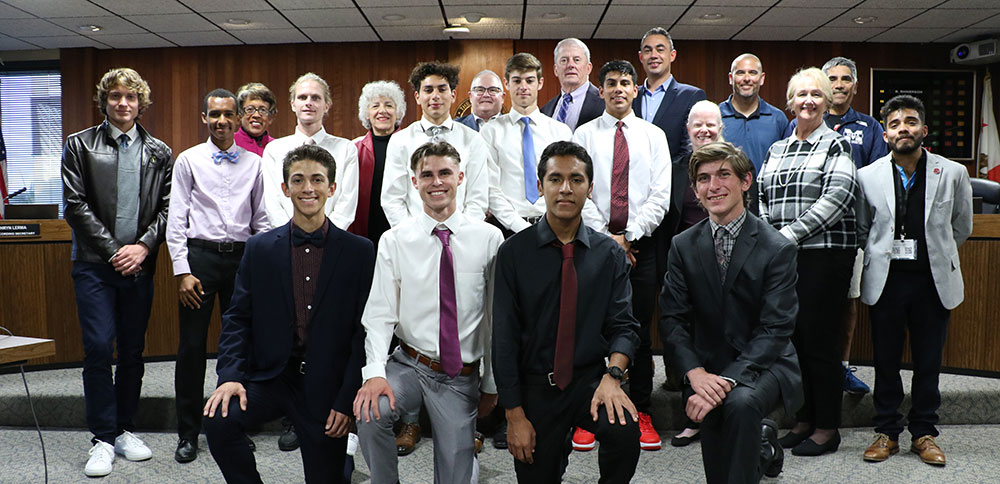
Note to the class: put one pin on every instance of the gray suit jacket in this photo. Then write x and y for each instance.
(743, 327)
(947, 223)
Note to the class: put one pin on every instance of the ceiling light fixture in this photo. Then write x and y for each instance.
(474, 17)
(864, 20)
(393, 17)
(553, 15)
(91, 28)
(712, 16)
(456, 29)
(237, 21)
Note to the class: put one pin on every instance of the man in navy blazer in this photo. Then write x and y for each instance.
(727, 313)
(663, 100)
(578, 101)
(300, 286)
(485, 98)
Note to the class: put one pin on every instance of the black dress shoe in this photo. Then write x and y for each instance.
(791, 439)
(289, 440)
(809, 448)
(253, 446)
(500, 437)
(348, 467)
(187, 451)
(678, 441)
(772, 456)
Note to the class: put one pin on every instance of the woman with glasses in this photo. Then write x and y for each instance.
(256, 104)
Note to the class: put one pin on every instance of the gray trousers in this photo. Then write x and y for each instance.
(451, 404)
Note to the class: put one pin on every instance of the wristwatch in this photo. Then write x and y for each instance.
(617, 373)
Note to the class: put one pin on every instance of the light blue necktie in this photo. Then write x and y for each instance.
(564, 109)
(528, 153)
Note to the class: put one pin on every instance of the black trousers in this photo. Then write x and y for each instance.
(217, 272)
(730, 434)
(909, 303)
(824, 277)
(322, 456)
(644, 296)
(554, 413)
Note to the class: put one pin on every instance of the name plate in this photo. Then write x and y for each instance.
(20, 230)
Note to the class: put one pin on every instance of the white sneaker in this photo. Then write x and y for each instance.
(352, 443)
(132, 447)
(102, 455)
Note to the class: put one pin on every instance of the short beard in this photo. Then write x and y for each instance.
(907, 150)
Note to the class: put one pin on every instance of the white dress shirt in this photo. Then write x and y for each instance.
(341, 207)
(504, 140)
(405, 291)
(401, 201)
(648, 173)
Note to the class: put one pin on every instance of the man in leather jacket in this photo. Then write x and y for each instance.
(116, 184)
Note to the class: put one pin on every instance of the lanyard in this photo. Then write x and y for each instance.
(903, 185)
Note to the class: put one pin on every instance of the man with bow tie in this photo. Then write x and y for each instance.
(216, 204)
(292, 342)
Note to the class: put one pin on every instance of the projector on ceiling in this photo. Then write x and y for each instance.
(975, 53)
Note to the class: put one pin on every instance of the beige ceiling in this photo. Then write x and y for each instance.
(126, 24)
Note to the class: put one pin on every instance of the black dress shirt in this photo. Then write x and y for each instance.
(526, 306)
(910, 216)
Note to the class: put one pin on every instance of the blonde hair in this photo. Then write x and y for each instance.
(309, 76)
(810, 74)
(127, 78)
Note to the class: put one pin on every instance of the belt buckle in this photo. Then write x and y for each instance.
(552, 382)
(225, 247)
(302, 367)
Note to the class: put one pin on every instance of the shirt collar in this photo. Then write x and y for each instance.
(515, 117)
(546, 236)
(425, 124)
(727, 109)
(662, 87)
(578, 92)
(319, 137)
(132, 133)
(455, 223)
(610, 120)
(732, 228)
(815, 135)
(232, 149)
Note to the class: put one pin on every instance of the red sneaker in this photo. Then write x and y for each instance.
(583, 440)
(648, 438)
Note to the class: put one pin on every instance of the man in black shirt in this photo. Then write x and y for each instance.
(562, 304)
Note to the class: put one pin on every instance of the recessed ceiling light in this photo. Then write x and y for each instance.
(91, 28)
(865, 20)
(237, 21)
(712, 16)
(553, 15)
(456, 29)
(393, 17)
(474, 17)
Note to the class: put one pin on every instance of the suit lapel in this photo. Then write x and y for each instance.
(637, 102)
(886, 175)
(932, 177)
(745, 244)
(668, 98)
(282, 251)
(706, 253)
(331, 254)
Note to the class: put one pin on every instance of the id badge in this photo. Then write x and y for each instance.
(904, 249)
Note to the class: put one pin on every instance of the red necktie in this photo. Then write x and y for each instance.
(618, 214)
(562, 372)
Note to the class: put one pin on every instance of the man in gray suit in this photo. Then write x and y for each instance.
(914, 211)
(727, 313)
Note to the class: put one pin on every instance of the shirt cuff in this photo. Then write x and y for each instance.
(373, 370)
(181, 267)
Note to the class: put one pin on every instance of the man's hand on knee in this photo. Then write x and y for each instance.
(221, 395)
(366, 402)
(337, 424)
(698, 406)
(709, 386)
(520, 436)
(610, 394)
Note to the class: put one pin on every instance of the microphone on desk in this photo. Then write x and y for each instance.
(12, 195)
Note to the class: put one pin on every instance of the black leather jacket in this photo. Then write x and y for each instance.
(90, 173)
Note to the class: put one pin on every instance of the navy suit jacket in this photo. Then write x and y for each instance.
(743, 327)
(672, 115)
(468, 120)
(256, 339)
(593, 106)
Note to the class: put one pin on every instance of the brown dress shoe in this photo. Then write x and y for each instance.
(407, 438)
(929, 451)
(479, 442)
(881, 449)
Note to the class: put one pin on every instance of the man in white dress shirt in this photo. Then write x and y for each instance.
(631, 195)
(516, 141)
(434, 86)
(311, 101)
(433, 278)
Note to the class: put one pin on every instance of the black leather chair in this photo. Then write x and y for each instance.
(990, 191)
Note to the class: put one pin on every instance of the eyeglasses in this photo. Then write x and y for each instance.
(263, 111)
(480, 90)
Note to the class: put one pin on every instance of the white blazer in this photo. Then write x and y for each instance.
(947, 223)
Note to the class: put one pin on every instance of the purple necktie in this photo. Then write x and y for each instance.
(448, 347)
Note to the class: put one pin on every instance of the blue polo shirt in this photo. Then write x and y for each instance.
(754, 134)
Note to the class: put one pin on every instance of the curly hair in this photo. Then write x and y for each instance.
(127, 78)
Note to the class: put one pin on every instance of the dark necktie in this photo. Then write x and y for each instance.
(300, 237)
(562, 372)
(220, 156)
(564, 108)
(123, 141)
(528, 153)
(448, 346)
(720, 252)
(618, 213)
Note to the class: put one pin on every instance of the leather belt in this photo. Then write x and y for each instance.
(221, 247)
(296, 365)
(533, 220)
(435, 365)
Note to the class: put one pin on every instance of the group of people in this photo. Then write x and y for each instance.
(511, 264)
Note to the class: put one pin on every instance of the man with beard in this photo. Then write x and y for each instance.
(915, 210)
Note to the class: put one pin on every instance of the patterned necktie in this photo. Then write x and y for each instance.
(618, 213)
(449, 349)
(220, 156)
(123, 142)
(564, 109)
(435, 132)
(720, 252)
(562, 372)
(528, 153)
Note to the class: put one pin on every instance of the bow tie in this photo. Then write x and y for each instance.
(220, 156)
(300, 237)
